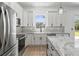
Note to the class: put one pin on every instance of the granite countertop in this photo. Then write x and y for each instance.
(57, 44)
(46, 33)
(62, 44)
(19, 35)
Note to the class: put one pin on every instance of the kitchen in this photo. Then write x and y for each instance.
(39, 28)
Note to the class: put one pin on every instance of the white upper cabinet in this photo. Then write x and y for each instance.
(27, 18)
(53, 18)
(30, 18)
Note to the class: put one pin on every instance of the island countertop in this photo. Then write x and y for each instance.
(60, 43)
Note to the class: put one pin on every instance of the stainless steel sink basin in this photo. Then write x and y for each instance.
(52, 34)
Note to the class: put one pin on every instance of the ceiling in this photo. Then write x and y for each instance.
(49, 4)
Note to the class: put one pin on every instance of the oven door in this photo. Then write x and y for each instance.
(21, 43)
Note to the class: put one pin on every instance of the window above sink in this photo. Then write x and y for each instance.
(40, 21)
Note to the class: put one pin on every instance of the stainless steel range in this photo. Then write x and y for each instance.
(21, 43)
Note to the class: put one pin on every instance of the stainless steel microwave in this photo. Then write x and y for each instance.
(18, 22)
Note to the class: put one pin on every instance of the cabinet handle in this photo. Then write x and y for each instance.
(40, 38)
(47, 46)
(52, 48)
(33, 38)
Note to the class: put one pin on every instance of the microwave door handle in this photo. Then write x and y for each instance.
(8, 26)
(4, 23)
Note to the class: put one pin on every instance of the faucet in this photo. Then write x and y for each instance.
(40, 29)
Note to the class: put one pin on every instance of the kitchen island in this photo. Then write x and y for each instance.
(62, 46)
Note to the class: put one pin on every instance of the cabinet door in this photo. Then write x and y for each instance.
(28, 40)
(52, 18)
(44, 40)
(32, 41)
(30, 18)
(37, 40)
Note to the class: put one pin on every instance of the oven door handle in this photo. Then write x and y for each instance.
(22, 38)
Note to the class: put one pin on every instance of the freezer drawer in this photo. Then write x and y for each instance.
(11, 52)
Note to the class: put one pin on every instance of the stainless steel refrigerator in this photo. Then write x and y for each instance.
(8, 43)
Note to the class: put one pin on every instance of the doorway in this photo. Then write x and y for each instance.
(77, 33)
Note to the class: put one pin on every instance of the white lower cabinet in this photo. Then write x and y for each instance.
(44, 42)
(51, 50)
(40, 39)
(35, 39)
(28, 40)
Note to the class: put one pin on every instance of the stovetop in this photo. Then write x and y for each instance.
(20, 35)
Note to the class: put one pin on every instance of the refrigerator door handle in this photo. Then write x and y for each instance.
(4, 23)
(7, 14)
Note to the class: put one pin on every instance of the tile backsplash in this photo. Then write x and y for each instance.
(18, 30)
